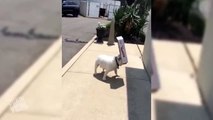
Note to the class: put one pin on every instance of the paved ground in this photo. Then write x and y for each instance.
(41, 99)
(178, 97)
(80, 28)
(21, 20)
(86, 96)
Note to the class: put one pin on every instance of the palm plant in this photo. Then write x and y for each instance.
(130, 19)
(118, 14)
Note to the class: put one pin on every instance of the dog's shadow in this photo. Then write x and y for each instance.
(115, 82)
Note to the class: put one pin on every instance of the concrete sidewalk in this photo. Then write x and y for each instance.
(127, 97)
(38, 98)
(178, 97)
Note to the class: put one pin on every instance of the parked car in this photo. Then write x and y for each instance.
(70, 7)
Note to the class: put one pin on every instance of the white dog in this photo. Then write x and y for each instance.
(108, 63)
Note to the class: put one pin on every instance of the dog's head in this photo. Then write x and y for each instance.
(119, 61)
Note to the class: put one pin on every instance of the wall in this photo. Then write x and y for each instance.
(147, 51)
(77, 1)
(147, 46)
(205, 72)
(149, 58)
(205, 7)
(104, 4)
(84, 8)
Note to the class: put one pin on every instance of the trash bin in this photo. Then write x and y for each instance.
(100, 34)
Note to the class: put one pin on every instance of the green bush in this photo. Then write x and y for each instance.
(108, 25)
(131, 19)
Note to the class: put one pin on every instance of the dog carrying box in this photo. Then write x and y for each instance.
(122, 49)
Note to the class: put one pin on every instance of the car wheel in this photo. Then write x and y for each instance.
(75, 14)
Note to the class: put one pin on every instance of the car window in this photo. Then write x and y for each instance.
(70, 3)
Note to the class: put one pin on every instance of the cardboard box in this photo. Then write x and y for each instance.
(122, 49)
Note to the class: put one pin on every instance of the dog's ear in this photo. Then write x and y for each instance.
(119, 57)
(119, 60)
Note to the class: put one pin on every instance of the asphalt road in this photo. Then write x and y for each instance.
(81, 28)
(22, 23)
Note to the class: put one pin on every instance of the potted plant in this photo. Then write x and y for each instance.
(101, 29)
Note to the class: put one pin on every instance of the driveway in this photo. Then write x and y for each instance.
(24, 36)
(80, 28)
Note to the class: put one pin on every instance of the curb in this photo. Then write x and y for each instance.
(28, 76)
(75, 58)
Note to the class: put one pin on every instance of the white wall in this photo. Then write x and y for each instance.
(84, 8)
(205, 76)
(147, 51)
(149, 57)
(102, 1)
(205, 7)
(77, 1)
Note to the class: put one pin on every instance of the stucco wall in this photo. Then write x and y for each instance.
(147, 46)
(205, 73)
(147, 51)
(84, 8)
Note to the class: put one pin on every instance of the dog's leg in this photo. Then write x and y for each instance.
(105, 74)
(116, 72)
(96, 66)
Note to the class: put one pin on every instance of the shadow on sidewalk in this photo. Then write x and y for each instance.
(115, 82)
(138, 94)
(166, 110)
